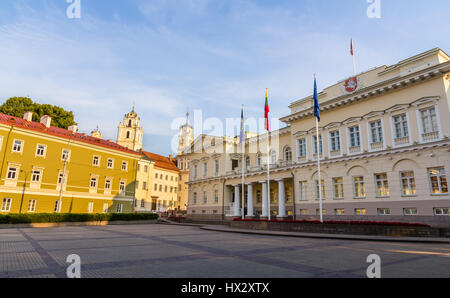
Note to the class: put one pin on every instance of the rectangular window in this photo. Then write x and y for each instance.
(12, 173)
(216, 167)
(105, 207)
(110, 163)
(17, 146)
(335, 140)
(401, 126)
(205, 169)
(108, 184)
(410, 211)
(195, 171)
(323, 211)
(65, 155)
(195, 198)
(119, 208)
(317, 189)
(359, 187)
(338, 186)
(429, 120)
(360, 211)
(91, 207)
(40, 150)
(96, 161)
(6, 205)
(145, 169)
(315, 144)
(142, 203)
(56, 209)
(355, 140)
(376, 132)
(93, 182)
(384, 211)
(382, 185)
(442, 211)
(302, 190)
(144, 185)
(31, 205)
(122, 186)
(205, 198)
(339, 211)
(124, 166)
(304, 212)
(301, 147)
(36, 176)
(216, 196)
(438, 181)
(408, 183)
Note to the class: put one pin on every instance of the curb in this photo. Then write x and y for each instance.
(329, 236)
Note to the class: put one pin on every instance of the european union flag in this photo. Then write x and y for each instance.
(316, 101)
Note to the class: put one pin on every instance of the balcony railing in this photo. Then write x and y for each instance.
(430, 136)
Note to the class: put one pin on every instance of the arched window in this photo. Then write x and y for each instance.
(128, 134)
(129, 123)
(288, 154)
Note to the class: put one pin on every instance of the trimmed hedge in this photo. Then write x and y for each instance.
(66, 217)
(335, 222)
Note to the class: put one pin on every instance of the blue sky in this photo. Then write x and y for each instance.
(214, 55)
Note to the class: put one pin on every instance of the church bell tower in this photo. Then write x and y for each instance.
(130, 133)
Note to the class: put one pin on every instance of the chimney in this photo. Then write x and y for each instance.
(28, 116)
(46, 120)
(73, 128)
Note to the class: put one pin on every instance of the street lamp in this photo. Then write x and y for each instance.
(23, 189)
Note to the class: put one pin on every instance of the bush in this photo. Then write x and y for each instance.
(66, 217)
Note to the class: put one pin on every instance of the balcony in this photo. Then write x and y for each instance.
(401, 141)
(432, 136)
(377, 146)
(354, 149)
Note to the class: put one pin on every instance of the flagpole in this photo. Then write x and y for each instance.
(268, 176)
(354, 58)
(319, 176)
(318, 167)
(243, 165)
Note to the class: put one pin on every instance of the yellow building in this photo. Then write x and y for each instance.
(45, 169)
(158, 178)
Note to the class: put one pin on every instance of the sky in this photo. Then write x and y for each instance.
(171, 56)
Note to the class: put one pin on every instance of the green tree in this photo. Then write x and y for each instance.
(17, 106)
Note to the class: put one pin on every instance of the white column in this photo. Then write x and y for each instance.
(237, 199)
(265, 210)
(281, 199)
(250, 212)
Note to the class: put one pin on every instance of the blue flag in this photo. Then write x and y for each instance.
(316, 101)
(242, 126)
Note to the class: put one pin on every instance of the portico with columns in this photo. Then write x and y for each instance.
(256, 199)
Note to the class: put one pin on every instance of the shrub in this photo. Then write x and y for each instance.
(66, 217)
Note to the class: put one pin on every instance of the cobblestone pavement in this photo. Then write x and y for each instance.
(188, 252)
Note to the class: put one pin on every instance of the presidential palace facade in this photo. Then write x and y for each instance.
(384, 151)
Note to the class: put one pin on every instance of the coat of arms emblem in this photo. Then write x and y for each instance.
(351, 85)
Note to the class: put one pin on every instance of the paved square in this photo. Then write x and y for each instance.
(147, 251)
